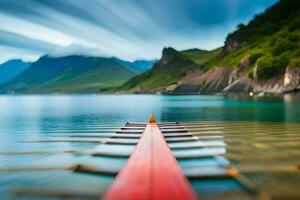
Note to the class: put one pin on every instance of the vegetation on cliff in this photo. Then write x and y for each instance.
(69, 74)
(170, 69)
(270, 42)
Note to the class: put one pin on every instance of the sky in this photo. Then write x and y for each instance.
(128, 29)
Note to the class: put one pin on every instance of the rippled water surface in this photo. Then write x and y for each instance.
(56, 133)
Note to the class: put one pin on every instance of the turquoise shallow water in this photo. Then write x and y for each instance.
(265, 126)
(30, 117)
(45, 111)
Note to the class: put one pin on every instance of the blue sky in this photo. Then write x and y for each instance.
(129, 29)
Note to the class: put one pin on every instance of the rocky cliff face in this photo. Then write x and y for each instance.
(212, 81)
(291, 79)
(261, 56)
(235, 80)
(164, 75)
(231, 45)
(288, 82)
(217, 80)
(170, 56)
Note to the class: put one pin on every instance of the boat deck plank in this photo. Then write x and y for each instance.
(151, 172)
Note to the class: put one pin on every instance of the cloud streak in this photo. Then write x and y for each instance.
(22, 42)
(131, 29)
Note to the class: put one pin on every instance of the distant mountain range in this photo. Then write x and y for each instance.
(138, 65)
(69, 74)
(168, 71)
(262, 56)
(11, 69)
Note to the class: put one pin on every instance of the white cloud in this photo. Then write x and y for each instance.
(127, 29)
(31, 30)
(8, 53)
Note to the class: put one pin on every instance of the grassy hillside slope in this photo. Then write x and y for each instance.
(261, 50)
(271, 41)
(70, 74)
(171, 68)
(12, 68)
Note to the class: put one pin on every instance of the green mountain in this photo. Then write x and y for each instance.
(272, 40)
(262, 56)
(138, 65)
(171, 68)
(11, 69)
(70, 74)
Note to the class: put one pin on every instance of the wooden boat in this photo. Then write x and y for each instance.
(166, 160)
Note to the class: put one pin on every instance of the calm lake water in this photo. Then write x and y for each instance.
(26, 121)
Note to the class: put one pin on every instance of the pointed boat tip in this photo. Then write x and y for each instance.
(152, 119)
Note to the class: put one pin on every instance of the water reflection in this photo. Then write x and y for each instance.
(246, 127)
